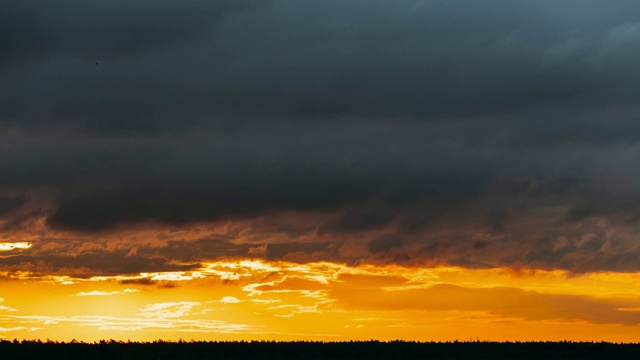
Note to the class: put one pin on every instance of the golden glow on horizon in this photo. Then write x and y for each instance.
(248, 299)
(8, 246)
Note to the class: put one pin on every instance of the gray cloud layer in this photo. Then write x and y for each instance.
(514, 122)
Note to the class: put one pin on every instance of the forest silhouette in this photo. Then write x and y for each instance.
(156, 350)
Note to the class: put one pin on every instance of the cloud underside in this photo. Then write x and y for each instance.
(155, 136)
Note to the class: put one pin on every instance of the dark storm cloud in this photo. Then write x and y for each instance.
(227, 61)
(384, 243)
(215, 175)
(497, 218)
(365, 217)
(461, 132)
(324, 251)
(105, 29)
(9, 204)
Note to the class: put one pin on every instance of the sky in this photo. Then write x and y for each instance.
(320, 170)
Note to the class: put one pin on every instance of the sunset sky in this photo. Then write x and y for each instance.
(320, 170)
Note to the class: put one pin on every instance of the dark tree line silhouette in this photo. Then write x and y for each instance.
(302, 350)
